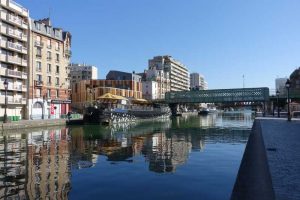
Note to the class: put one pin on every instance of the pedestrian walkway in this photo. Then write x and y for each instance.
(270, 168)
(282, 143)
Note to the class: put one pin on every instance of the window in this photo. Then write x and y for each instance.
(48, 30)
(38, 92)
(39, 77)
(57, 46)
(48, 55)
(38, 66)
(38, 52)
(57, 81)
(49, 44)
(49, 93)
(57, 57)
(49, 80)
(57, 93)
(38, 26)
(48, 68)
(57, 69)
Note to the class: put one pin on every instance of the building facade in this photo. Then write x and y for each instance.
(49, 84)
(280, 85)
(156, 83)
(295, 79)
(178, 73)
(197, 81)
(87, 91)
(79, 72)
(14, 58)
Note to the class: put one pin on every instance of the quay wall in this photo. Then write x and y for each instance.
(254, 179)
(24, 124)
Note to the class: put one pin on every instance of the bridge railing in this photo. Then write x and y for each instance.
(219, 95)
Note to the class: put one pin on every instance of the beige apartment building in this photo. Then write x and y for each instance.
(178, 73)
(13, 58)
(49, 83)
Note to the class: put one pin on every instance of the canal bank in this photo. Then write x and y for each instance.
(270, 168)
(25, 124)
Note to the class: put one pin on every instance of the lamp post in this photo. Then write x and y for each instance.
(288, 85)
(5, 114)
(277, 95)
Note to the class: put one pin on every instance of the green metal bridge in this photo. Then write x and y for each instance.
(219, 96)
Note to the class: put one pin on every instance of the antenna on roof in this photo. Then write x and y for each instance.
(49, 15)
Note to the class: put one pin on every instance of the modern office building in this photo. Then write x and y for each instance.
(79, 72)
(118, 75)
(178, 73)
(156, 83)
(49, 84)
(197, 81)
(13, 58)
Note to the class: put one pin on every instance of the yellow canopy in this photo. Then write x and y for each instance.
(140, 100)
(110, 96)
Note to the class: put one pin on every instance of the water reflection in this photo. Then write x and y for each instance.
(39, 164)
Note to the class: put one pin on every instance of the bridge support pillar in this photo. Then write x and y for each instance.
(174, 109)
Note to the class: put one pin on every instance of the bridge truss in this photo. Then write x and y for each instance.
(219, 95)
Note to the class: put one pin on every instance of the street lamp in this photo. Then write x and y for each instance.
(5, 114)
(288, 85)
(277, 95)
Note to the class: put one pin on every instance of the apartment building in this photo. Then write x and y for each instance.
(79, 72)
(156, 83)
(49, 83)
(197, 81)
(178, 73)
(14, 57)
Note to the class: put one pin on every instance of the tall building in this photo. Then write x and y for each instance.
(197, 81)
(49, 84)
(178, 73)
(280, 85)
(156, 83)
(14, 57)
(79, 72)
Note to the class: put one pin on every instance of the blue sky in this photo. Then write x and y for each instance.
(221, 39)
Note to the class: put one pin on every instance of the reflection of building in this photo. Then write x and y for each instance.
(13, 57)
(48, 71)
(13, 166)
(49, 169)
(165, 154)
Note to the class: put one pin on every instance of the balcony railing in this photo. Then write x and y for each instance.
(68, 52)
(49, 58)
(38, 83)
(16, 46)
(17, 34)
(38, 44)
(13, 100)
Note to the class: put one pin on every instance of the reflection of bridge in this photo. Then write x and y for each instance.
(217, 96)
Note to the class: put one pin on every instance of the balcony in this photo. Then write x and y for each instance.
(16, 60)
(13, 100)
(17, 47)
(16, 34)
(68, 53)
(38, 83)
(49, 46)
(48, 83)
(38, 44)
(49, 58)
(13, 73)
(12, 5)
(38, 55)
(17, 21)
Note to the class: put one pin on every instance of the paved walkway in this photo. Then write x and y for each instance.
(270, 168)
(282, 143)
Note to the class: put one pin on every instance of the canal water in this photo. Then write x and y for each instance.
(189, 157)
